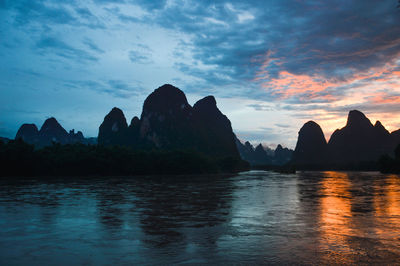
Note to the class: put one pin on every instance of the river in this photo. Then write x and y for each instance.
(253, 217)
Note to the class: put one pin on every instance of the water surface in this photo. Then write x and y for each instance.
(253, 217)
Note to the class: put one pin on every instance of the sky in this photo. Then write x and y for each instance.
(272, 65)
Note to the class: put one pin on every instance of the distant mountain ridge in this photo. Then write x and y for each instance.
(170, 137)
(167, 122)
(261, 156)
(51, 131)
(357, 142)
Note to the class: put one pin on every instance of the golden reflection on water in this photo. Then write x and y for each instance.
(387, 207)
(367, 211)
(388, 202)
(335, 212)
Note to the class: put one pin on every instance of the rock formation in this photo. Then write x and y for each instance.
(359, 140)
(167, 119)
(263, 155)
(213, 129)
(28, 133)
(311, 145)
(395, 137)
(113, 130)
(169, 122)
(358, 143)
(282, 155)
(51, 131)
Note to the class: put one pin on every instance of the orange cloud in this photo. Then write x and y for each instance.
(306, 87)
(385, 98)
(378, 89)
(288, 84)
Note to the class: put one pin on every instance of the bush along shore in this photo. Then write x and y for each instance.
(21, 159)
(390, 165)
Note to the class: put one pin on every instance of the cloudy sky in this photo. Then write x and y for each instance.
(272, 65)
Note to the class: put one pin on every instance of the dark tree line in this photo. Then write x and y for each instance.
(21, 159)
(388, 164)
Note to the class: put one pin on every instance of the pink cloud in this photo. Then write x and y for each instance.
(378, 89)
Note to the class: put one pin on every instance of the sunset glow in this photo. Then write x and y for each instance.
(272, 66)
(374, 91)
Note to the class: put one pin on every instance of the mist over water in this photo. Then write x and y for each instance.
(252, 217)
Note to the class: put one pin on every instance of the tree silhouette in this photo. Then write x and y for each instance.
(18, 158)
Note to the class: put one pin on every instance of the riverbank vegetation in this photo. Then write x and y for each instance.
(21, 159)
(389, 164)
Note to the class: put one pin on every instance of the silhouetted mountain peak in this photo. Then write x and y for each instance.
(29, 128)
(205, 103)
(206, 109)
(278, 148)
(28, 132)
(79, 134)
(380, 129)
(167, 100)
(135, 122)
(378, 124)
(51, 121)
(263, 155)
(311, 144)
(166, 118)
(213, 127)
(112, 130)
(359, 140)
(51, 124)
(169, 122)
(260, 153)
(282, 155)
(311, 127)
(358, 119)
(248, 145)
(52, 131)
(115, 120)
(116, 113)
(259, 147)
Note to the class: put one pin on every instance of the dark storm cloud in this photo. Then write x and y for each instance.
(332, 39)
